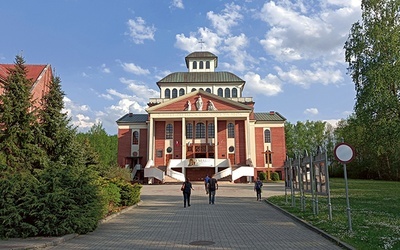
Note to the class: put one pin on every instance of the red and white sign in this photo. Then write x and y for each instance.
(344, 153)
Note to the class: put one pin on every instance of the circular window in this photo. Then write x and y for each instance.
(231, 149)
(169, 150)
(134, 154)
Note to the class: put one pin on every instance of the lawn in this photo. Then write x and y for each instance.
(374, 206)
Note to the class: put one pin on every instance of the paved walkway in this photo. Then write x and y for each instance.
(236, 221)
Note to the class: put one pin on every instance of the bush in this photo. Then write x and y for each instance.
(275, 176)
(69, 201)
(262, 176)
(130, 194)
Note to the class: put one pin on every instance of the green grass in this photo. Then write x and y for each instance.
(375, 212)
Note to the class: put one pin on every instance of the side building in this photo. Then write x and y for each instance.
(39, 75)
(201, 125)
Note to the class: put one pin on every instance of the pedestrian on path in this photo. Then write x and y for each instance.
(206, 180)
(212, 187)
(258, 187)
(186, 190)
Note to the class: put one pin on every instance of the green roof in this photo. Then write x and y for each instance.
(270, 116)
(201, 77)
(133, 118)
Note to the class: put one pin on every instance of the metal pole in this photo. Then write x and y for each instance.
(312, 183)
(347, 198)
(301, 188)
(291, 184)
(327, 184)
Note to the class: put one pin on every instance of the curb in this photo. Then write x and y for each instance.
(311, 227)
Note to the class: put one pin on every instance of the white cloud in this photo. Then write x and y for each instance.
(104, 69)
(307, 77)
(211, 41)
(269, 86)
(138, 31)
(132, 68)
(229, 18)
(178, 4)
(311, 111)
(301, 31)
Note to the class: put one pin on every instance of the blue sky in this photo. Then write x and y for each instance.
(110, 54)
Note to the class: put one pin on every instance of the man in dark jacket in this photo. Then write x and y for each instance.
(212, 187)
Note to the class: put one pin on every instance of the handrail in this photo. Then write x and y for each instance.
(176, 175)
(242, 171)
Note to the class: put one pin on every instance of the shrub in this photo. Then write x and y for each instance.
(262, 176)
(69, 201)
(130, 194)
(275, 176)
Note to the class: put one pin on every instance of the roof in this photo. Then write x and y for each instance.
(201, 55)
(201, 77)
(270, 116)
(133, 118)
(32, 71)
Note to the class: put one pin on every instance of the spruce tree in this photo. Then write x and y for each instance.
(18, 122)
(59, 140)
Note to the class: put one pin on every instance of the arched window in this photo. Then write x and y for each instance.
(231, 130)
(169, 131)
(135, 138)
(220, 92)
(167, 93)
(181, 92)
(201, 65)
(194, 65)
(174, 93)
(267, 136)
(193, 89)
(211, 130)
(207, 64)
(234, 92)
(200, 130)
(189, 130)
(201, 89)
(227, 93)
(208, 90)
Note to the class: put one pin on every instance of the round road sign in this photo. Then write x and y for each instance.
(344, 153)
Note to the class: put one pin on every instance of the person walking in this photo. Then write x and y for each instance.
(257, 187)
(206, 180)
(212, 187)
(186, 190)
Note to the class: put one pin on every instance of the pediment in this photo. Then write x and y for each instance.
(199, 101)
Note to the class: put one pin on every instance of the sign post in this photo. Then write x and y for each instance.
(345, 154)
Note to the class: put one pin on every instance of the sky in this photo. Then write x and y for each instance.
(109, 55)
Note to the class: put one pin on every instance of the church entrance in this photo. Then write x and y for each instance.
(200, 151)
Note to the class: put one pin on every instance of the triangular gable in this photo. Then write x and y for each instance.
(181, 103)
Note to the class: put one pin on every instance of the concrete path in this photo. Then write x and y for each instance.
(235, 221)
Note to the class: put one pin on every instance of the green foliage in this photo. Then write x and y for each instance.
(68, 201)
(115, 171)
(19, 135)
(374, 212)
(307, 136)
(59, 137)
(262, 176)
(104, 145)
(111, 196)
(16, 201)
(130, 193)
(372, 53)
(274, 176)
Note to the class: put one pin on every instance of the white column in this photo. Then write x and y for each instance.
(216, 143)
(151, 139)
(183, 138)
(247, 138)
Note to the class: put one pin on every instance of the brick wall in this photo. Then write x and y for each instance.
(159, 144)
(143, 147)
(178, 140)
(240, 141)
(221, 135)
(124, 145)
(259, 141)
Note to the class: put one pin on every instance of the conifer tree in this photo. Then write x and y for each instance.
(59, 137)
(18, 123)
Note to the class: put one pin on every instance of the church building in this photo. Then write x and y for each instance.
(201, 125)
